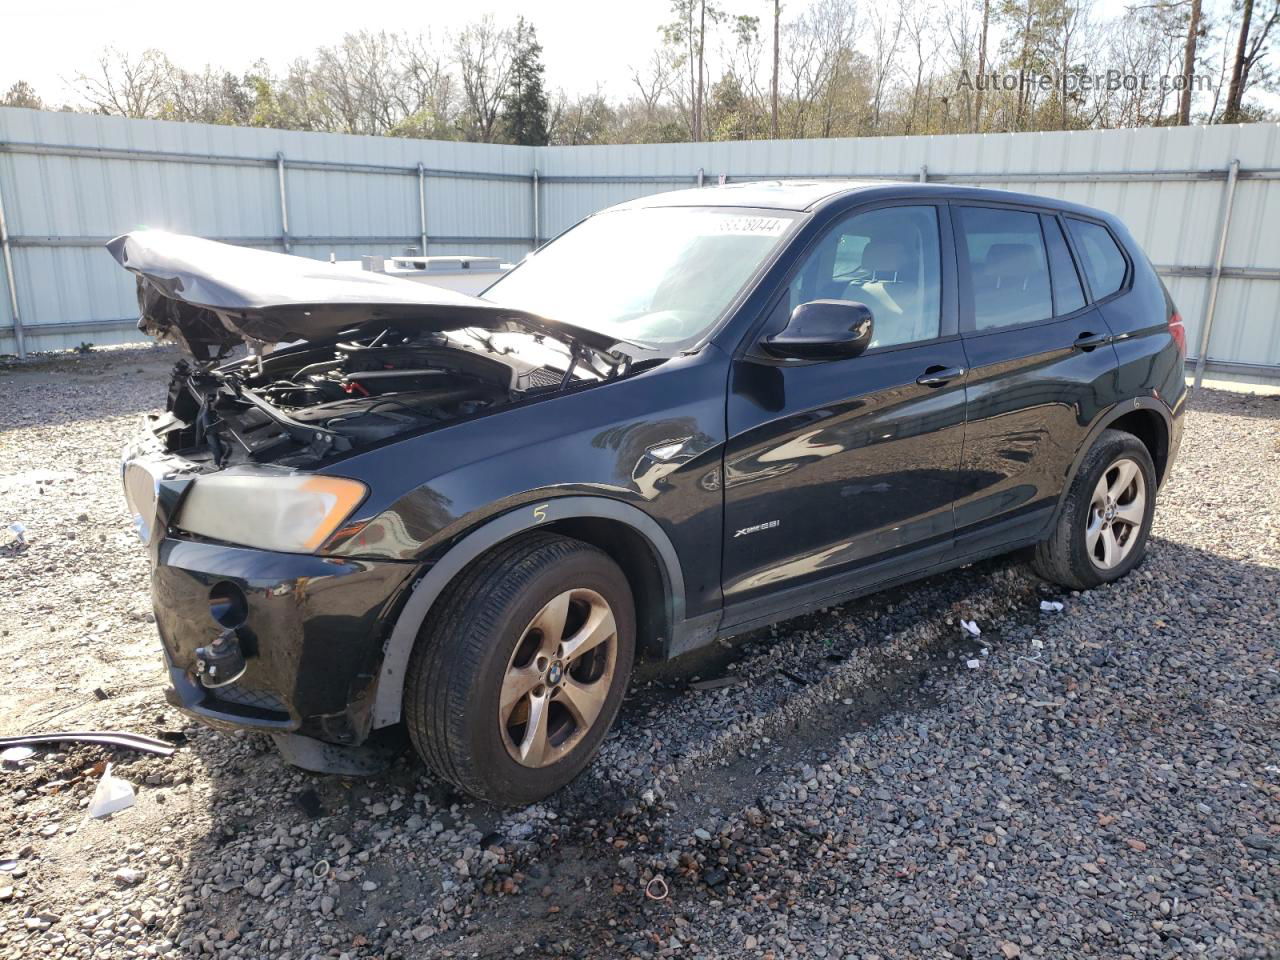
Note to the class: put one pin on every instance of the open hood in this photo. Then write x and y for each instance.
(209, 296)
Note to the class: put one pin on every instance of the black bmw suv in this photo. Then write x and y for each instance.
(689, 415)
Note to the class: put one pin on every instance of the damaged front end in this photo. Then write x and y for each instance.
(371, 357)
(238, 488)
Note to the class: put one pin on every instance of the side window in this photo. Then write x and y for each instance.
(1102, 260)
(1067, 293)
(1008, 270)
(887, 259)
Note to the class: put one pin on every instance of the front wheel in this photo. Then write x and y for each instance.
(519, 673)
(1102, 530)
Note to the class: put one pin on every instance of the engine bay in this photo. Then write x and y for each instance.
(303, 403)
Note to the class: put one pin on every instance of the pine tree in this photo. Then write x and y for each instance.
(525, 110)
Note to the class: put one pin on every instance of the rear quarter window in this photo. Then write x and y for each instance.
(1104, 264)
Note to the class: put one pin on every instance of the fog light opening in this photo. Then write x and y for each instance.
(227, 605)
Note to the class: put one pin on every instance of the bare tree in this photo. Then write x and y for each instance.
(773, 106)
(1189, 64)
(127, 86)
(586, 119)
(957, 103)
(483, 54)
(819, 44)
(1251, 46)
(886, 35)
(22, 94)
(982, 64)
(427, 93)
(655, 84)
(919, 27)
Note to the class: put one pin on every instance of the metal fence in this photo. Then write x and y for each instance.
(1202, 200)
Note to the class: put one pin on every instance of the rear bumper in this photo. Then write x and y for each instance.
(312, 636)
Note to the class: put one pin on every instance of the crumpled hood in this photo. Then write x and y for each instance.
(209, 296)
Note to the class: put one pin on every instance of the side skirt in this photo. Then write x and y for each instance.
(1005, 537)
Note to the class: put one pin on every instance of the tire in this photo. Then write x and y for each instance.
(1100, 536)
(485, 636)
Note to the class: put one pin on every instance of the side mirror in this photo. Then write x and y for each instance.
(823, 330)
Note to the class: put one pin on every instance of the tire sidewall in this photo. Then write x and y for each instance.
(1107, 453)
(505, 777)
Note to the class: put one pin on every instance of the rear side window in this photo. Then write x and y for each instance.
(1067, 293)
(1008, 269)
(1101, 258)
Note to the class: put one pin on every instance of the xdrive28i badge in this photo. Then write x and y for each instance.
(746, 531)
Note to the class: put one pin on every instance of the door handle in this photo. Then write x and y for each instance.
(938, 376)
(1088, 341)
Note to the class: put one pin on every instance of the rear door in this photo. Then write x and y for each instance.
(1042, 367)
(1129, 294)
(843, 472)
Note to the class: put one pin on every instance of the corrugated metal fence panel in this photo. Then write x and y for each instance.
(61, 207)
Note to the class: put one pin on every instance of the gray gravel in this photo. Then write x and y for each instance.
(1106, 782)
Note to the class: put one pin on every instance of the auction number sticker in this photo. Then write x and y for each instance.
(755, 226)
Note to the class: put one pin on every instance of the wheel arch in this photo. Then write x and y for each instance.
(1143, 417)
(632, 538)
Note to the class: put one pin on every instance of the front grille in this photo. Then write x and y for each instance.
(239, 696)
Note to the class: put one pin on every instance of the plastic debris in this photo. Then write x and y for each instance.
(973, 664)
(15, 755)
(109, 738)
(112, 796)
(970, 628)
(18, 542)
(656, 889)
(717, 682)
(1051, 606)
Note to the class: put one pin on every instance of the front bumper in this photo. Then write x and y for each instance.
(312, 635)
(312, 629)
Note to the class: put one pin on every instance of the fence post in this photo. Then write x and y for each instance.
(18, 336)
(422, 207)
(1215, 278)
(536, 241)
(284, 203)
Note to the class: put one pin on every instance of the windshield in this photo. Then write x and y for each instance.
(657, 276)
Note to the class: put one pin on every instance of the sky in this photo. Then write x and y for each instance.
(584, 43)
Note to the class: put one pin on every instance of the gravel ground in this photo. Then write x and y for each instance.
(1105, 782)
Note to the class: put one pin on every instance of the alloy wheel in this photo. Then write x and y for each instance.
(1116, 512)
(558, 677)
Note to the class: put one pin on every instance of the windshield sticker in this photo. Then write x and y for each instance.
(753, 226)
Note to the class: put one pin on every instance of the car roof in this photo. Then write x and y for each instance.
(811, 194)
(768, 194)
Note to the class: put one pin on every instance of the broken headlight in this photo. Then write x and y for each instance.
(291, 514)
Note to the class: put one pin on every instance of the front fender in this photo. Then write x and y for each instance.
(437, 577)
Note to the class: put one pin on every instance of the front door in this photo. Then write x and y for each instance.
(842, 473)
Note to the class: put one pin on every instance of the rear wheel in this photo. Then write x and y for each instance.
(518, 674)
(1102, 530)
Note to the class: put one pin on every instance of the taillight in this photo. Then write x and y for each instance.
(1179, 333)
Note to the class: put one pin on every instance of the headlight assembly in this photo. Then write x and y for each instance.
(292, 514)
